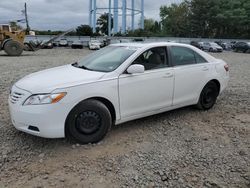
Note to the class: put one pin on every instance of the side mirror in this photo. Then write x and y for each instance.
(136, 68)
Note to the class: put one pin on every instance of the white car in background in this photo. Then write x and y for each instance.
(119, 83)
(63, 43)
(94, 44)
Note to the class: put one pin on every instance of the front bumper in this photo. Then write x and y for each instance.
(48, 119)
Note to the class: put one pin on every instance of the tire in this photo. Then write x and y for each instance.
(208, 96)
(247, 51)
(13, 48)
(88, 122)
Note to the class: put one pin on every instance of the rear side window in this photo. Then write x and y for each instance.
(182, 56)
(199, 58)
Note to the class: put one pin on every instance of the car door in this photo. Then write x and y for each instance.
(152, 90)
(191, 73)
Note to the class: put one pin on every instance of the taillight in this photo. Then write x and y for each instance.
(226, 67)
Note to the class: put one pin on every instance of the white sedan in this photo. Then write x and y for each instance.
(119, 83)
(94, 44)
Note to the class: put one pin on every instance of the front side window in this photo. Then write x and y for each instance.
(106, 59)
(182, 56)
(154, 58)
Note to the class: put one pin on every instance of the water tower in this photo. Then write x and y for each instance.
(117, 8)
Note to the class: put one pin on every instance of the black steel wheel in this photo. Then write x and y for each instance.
(208, 96)
(13, 48)
(88, 122)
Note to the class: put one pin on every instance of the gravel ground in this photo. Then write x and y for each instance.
(181, 148)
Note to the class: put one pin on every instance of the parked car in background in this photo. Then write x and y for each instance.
(94, 44)
(114, 85)
(55, 43)
(211, 47)
(125, 41)
(47, 46)
(138, 40)
(232, 43)
(224, 45)
(196, 44)
(242, 47)
(63, 43)
(114, 41)
(77, 45)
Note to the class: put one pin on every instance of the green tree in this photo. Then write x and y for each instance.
(102, 22)
(175, 19)
(152, 26)
(207, 18)
(84, 30)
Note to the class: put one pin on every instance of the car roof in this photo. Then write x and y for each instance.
(151, 44)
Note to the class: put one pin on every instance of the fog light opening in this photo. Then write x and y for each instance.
(33, 128)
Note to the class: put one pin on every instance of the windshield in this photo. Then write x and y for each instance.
(214, 44)
(106, 59)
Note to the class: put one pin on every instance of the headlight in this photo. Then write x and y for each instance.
(44, 99)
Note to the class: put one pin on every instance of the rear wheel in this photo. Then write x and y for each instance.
(13, 48)
(88, 122)
(208, 96)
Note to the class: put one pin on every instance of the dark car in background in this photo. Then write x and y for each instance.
(196, 44)
(77, 45)
(224, 45)
(242, 47)
(47, 45)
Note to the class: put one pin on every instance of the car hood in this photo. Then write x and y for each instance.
(55, 78)
(215, 46)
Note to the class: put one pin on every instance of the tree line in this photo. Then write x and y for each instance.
(207, 18)
(191, 18)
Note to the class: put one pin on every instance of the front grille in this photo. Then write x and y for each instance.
(15, 97)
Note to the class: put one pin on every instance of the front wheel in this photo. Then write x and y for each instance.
(88, 122)
(13, 48)
(208, 96)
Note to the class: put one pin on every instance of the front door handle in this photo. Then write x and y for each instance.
(168, 75)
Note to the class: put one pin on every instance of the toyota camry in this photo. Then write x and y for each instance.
(116, 84)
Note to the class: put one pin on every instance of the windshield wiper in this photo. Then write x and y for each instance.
(75, 64)
(81, 67)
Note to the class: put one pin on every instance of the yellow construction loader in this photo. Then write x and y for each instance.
(12, 42)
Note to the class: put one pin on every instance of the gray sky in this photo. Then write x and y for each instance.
(65, 14)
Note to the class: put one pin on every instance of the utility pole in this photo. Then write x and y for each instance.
(26, 18)
(109, 19)
(124, 14)
(142, 14)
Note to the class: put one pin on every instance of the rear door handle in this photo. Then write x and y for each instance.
(205, 68)
(168, 75)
